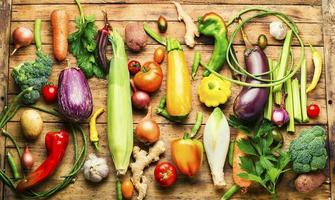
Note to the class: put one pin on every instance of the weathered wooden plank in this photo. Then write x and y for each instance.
(5, 16)
(145, 12)
(184, 186)
(245, 2)
(309, 32)
(99, 91)
(328, 7)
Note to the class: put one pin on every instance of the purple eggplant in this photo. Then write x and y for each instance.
(74, 95)
(250, 102)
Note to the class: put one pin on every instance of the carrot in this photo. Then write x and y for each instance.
(236, 163)
(60, 32)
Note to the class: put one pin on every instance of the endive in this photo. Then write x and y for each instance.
(216, 140)
(119, 111)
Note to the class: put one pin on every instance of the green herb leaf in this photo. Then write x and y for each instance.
(251, 177)
(246, 147)
(247, 165)
(273, 174)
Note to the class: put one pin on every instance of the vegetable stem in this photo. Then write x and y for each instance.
(232, 190)
(289, 105)
(154, 35)
(13, 166)
(268, 106)
(82, 17)
(196, 63)
(296, 100)
(284, 58)
(37, 34)
(197, 124)
(303, 94)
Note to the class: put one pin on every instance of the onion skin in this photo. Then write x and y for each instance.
(74, 95)
(27, 159)
(280, 116)
(139, 99)
(22, 36)
(250, 102)
(147, 131)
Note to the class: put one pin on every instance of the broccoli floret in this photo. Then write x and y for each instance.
(33, 74)
(308, 151)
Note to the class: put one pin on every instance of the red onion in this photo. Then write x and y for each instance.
(22, 37)
(27, 159)
(280, 116)
(140, 99)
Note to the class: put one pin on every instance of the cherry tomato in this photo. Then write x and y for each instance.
(127, 188)
(165, 174)
(159, 55)
(313, 110)
(49, 93)
(134, 66)
(149, 79)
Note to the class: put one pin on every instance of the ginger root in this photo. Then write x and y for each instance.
(142, 160)
(191, 28)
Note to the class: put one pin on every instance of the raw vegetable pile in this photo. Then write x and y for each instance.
(272, 100)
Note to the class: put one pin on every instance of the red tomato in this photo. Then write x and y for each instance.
(49, 93)
(313, 110)
(134, 66)
(165, 174)
(150, 78)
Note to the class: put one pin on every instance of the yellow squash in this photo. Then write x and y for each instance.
(178, 95)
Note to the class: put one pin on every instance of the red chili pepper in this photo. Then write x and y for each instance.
(55, 143)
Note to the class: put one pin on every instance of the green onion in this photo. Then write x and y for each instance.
(296, 100)
(303, 94)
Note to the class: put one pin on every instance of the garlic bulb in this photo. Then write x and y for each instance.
(278, 30)
(95, 169)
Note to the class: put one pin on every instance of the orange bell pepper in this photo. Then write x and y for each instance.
(187, 153)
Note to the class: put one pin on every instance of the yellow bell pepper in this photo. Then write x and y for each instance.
(178, 94)
(214, 91)
(187, 153)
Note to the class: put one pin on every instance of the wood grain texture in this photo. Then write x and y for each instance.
(329, 52)
(147, 12)
(307, 14)
(5, 11)
(245, 2)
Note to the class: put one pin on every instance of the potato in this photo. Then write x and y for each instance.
(31, 124)
(136, 38)
(305, 183)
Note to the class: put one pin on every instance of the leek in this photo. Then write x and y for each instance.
(119, 108)
(216, 140)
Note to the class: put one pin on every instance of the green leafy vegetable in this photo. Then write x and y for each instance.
(263, 164)
(308, 151)
(83, 45)
(33, 74)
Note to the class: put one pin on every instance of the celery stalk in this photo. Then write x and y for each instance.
(284, 58)
(277, 95)
(303, 94)
(268, 106)
(289, 104)
(296, 100)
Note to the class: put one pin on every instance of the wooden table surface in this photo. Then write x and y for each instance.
(315, 19)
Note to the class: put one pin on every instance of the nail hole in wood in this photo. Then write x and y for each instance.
(330, 102)
(2, 98)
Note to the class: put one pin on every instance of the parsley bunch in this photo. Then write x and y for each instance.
(264, 162)
(83, 44)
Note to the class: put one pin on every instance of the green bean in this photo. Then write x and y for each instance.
(197, 124)
(13, 166)
(196, 63)
(154, 35)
